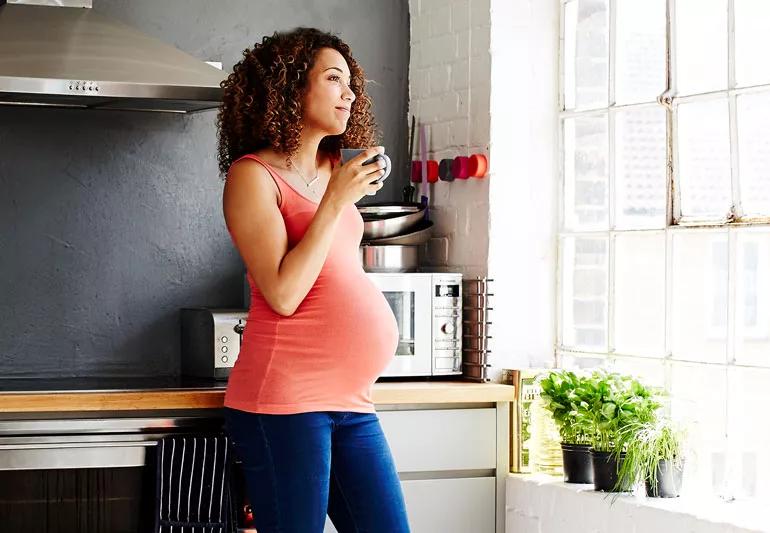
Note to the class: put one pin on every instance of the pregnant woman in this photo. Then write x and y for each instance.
(298, 405)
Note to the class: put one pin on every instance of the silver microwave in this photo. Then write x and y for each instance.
(428, 310)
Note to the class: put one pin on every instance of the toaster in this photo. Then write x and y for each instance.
(211, 341)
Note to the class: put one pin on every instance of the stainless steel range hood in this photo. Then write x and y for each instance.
(60, 53)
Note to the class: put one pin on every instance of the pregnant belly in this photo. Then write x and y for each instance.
(344, 329)
(337, 343)
(352, 316)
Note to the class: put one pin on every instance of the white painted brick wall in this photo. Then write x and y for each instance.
(523, 183)
(537, 506)
(449, 76)
(484, 78)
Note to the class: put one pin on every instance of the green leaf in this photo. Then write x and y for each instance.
(608, 410)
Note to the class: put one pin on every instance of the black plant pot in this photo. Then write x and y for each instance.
(577, 463)
(669, 480)
(606, 466)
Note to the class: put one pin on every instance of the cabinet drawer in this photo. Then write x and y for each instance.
(448, 505)
(441, 439)
(451, 505)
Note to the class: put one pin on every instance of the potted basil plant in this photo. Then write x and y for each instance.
(613, 403)
(560, 393)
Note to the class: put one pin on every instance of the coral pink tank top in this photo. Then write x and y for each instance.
(327, 355)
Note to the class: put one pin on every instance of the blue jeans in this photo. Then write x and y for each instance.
(302, 466)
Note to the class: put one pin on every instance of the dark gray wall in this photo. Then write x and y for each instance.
(111, 221)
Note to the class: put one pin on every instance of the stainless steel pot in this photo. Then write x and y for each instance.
(389, 258)
(420, 235)
(389, 219)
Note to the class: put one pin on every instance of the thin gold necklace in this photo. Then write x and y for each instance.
(311, 182)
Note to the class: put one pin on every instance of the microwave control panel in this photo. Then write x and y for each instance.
(447, 323)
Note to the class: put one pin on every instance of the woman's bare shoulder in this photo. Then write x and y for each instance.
(248, 178)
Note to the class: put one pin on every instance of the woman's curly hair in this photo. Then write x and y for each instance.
(261, 105)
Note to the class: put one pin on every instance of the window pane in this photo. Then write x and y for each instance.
(584, 292)
(640, 50)
(754, 153)
(752, 305)
(640, 293)
(583, 361)
(568, 53)
(749, 433)
(698, 395)
(651, 372)
(585, 54)
(701, 46)
(704, 159)
(640, 168)
(699, 296)
(585, 173)
(752, 40)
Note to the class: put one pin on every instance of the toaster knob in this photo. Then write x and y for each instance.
(239, 328)
(448, 328)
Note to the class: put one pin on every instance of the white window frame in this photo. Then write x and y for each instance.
(676, 223)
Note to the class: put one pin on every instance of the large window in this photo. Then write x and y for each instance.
(664, 243)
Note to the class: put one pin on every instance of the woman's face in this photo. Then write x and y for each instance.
(327, 102)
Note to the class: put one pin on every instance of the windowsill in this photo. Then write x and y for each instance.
(735, 517)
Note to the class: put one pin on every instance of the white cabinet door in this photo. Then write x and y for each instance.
(448, 505)
(441, 439)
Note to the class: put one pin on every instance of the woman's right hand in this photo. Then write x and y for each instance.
(352, 181)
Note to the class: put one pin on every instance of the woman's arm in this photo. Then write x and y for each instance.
(284, 277)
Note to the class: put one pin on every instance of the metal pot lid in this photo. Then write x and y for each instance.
(388, 210)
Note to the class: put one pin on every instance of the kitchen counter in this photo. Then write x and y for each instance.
(31, 395)
(449, 438)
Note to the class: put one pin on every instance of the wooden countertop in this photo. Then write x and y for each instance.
(211, 396)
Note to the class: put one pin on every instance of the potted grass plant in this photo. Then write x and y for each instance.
(654, 455)
(612, 403)
(561, 395)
